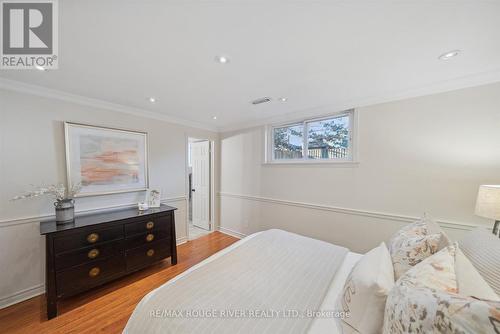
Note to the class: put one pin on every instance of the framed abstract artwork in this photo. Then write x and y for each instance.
(106, 160)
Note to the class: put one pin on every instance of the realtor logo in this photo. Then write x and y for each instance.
(29, 34)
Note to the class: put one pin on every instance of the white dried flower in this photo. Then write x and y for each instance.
(58, 191)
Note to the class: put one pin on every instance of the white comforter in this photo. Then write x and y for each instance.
(263, 284)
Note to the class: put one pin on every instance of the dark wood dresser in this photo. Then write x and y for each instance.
(97, 248)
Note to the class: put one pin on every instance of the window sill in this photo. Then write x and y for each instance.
(344, 164)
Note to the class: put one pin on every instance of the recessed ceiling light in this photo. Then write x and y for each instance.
(40, 68)
(214, 118)
(283, 99)
(449, 55)
(222, 59)
(152, 99)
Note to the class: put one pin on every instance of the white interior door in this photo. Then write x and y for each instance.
(200, 161)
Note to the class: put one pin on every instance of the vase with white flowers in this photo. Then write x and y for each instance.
(64, 204)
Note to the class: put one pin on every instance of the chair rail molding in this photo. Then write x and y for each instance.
(36, 219)
(348, 211)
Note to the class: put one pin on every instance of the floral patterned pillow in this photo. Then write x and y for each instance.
(436, 272)
(424, 310)
(412, 244)
(417, 228)
(426, 300)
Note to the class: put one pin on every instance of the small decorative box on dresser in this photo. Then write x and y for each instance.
(97, 248)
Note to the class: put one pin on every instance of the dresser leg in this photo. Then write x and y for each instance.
(51, 309)
(50, 278)
(173, 259)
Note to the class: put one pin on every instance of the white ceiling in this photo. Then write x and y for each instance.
(322, 55)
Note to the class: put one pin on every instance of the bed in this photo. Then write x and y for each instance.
(268, 282)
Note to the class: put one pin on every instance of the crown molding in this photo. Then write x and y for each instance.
(25, 88)
(468, 81)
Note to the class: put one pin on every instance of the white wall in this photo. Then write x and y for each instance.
(32, 152)
(422, 154)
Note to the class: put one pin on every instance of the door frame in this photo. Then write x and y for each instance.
(212, 182)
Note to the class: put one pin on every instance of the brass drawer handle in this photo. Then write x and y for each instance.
(150, 237)
(92, 238)
(94, 272)
(150, 225)
(92, 254)
(150, 252)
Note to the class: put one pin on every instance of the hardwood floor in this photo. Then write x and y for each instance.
(107, 308)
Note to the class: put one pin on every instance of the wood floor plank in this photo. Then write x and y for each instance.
(107, 309)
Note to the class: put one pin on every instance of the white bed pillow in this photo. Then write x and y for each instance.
(365, 292)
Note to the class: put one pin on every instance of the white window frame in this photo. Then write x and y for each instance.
(351, 159)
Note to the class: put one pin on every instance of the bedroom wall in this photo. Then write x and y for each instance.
(422, 154)
(32, 152)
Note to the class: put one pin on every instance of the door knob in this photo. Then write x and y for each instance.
(193, 190)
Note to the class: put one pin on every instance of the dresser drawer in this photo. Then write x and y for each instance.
(145, 255)
(150, 225)
(145, 238)
(88, 254)
(80, 278)
(87, 237)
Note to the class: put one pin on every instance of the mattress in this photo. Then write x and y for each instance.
(331, 325)
(318, 325)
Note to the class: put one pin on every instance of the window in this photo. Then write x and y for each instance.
(325, 139)
(288, 142)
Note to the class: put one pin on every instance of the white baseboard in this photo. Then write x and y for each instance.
(181, 240)
(22, 295)
(232, 233)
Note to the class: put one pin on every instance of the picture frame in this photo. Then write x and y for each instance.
(153, 198)
(106, 160)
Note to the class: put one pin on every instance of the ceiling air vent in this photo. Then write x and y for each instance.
(261, 100)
